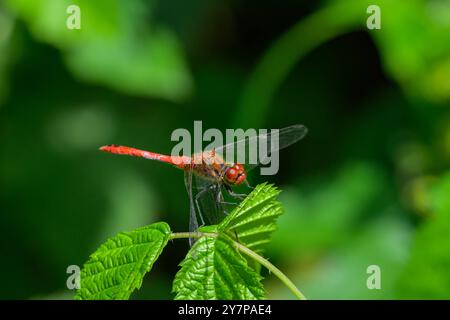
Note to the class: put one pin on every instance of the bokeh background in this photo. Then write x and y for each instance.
(370, 184)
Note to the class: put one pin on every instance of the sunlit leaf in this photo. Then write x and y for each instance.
(414, 41)
(114, 46)
(117, 268)
(253, 221)
(427, 274)
(214, 269)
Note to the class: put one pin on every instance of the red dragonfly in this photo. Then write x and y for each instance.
(209, 173)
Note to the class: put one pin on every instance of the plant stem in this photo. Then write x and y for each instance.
(184, 235)
(277, 272)
(263, 261)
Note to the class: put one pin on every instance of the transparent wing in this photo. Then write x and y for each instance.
(206, 202)
(193, 222)
(254, 150)
(209, 200)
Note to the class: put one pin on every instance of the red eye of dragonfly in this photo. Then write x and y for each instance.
(235, 174)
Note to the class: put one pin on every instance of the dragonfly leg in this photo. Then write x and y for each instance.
(220, 199)
(197, 197)
(199, 212)
(227, 203)
(237, 236)
(240, 196)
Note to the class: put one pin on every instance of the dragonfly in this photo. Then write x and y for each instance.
(207, 174)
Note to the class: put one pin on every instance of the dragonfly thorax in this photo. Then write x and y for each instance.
(211, 166)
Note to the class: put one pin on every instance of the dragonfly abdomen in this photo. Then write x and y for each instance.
(137, 153)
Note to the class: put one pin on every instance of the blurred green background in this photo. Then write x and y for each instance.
(370, 184)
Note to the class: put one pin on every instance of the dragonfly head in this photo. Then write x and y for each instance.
(235, 174)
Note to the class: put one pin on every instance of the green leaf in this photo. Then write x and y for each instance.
(427, 273)
(214, 269)
(116, 46)
(152, 65)
(415, 46)
(117, 268)
(253, 221)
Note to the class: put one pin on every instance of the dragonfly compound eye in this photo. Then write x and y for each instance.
(235, 174)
